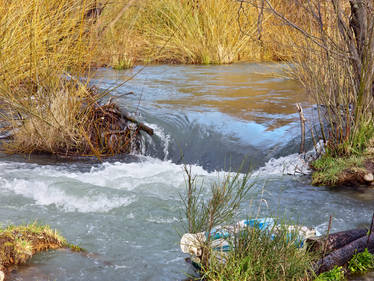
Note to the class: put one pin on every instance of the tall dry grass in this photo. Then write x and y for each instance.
(178, 31)
(45, 48)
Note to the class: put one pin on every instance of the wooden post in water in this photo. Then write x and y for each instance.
(302, 123)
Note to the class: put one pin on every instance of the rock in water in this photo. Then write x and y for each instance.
(369, 177)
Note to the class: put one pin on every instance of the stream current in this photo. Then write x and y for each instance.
(126, 211)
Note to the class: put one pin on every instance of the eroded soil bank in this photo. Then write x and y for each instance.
(19, 243)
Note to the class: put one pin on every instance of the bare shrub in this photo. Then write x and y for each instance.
(335, 64)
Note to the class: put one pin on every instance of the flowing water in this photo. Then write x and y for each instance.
(126, 211)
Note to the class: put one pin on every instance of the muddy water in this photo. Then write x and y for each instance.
(126, 211)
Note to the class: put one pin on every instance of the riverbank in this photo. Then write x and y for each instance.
(19, 243)
(244, 250)
(354, 170)
(47, 104)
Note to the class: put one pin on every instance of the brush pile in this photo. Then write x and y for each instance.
(112, 131)
(46, 102)
(74, 123)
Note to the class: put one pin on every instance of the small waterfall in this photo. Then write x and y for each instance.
(164, 138)
(294, 164)
(135, 141)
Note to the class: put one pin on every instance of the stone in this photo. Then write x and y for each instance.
(2, 276)
(369, 177)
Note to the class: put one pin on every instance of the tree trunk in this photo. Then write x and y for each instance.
(335, 240)
(341, 256)
(361, 23)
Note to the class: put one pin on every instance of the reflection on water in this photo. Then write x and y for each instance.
(251, 92)
(215, 114)
(267, 101)
(362, 193)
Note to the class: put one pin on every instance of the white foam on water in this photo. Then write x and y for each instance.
(294, 164)
(128, 176)
(101, 189)
(162, 220)
(165, 138)
(45, 194)
(134, 150)
(107, 187)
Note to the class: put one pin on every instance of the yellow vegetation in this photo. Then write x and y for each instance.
(40, 41)
(47, 49)
(178, 31)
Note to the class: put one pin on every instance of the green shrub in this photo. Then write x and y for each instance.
(334, 274)
(257, 255)
(361, 262)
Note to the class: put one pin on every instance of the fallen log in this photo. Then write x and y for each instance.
(126, 117)
(335, 240)
(141, 125)
(341, 256)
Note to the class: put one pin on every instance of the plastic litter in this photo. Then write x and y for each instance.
(221, 236)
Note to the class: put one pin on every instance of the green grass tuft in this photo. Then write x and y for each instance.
(335, 274)
(258, 256)
(361, 262)
(328, 168)
(75, 248)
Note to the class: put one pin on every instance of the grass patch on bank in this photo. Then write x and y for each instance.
(344, 170)
(335, 274)
(20, 243)
(361, 262)
(328, 169)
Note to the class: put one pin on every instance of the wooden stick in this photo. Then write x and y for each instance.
(142, 126)
(302, 123)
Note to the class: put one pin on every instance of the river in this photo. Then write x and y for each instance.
(126, 211)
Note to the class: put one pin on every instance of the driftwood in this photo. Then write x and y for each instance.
(141, 125)
(335, 240)
(124, 117)
(341, 256)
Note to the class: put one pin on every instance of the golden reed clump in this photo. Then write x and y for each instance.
(194, 32)
(46, 103)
